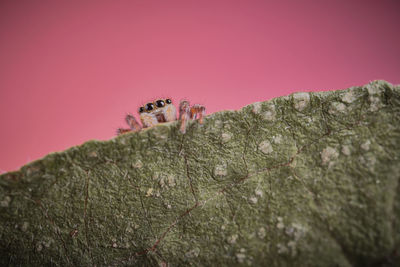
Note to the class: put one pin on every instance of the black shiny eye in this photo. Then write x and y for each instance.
(160, 103)
(141, 110)
(149, 106)
(168, 101)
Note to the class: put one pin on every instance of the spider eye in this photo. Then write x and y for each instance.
(168, 101)
(160, 103)
(149, 106)
(141, 110)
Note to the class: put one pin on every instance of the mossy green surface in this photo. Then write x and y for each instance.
(310, 179)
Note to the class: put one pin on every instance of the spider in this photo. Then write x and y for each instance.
(162, 110)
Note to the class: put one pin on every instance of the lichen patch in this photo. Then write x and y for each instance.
(328, 154)
(280, 224)
(261, 233)
(5, 202)
(346, 150)
(114, 243)
(168, 181)
(93, 154)
(366, 145)
(292, 247)
(372, 89)
(24, 226)
(270, 113)
(375, 103)
(266, 147)
(39, 246)
(193, 253)
(258, 192)
(138, 164)
(282, 249)
(171, 181)
(218, 124)
(256, 108)
(221, 170)
(149, 192)
(277, 139)
(226, 137)
(349, 97)
(232, 239)
(368, 160)
(301, 100)
(337, 107)
(160, 133)
(253, 200)
(241, 256)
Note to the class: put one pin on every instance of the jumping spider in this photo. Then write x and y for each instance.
(162, 110)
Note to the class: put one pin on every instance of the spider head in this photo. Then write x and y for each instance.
(155, 107)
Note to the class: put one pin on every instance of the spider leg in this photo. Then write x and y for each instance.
(122, 131)
(170, 113)
(148, 119)
(197, 112)
(184, 115)
(133, 123)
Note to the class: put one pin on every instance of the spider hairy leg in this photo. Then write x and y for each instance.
(122, 131)
(170, 113)
(132, 123)
(184, 115)
(197, 112)
(148, 120)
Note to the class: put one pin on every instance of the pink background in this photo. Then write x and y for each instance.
(70, 71)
